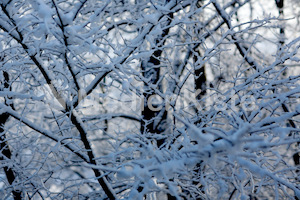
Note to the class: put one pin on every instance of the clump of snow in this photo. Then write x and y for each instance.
(45, 12)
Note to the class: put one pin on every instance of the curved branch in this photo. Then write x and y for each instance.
(98, 173)
(91, 158)
(42, 131)
(79, 8)
(243, 50)
(65, 38)
(33, 58)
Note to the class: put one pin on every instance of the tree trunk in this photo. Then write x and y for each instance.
(154, 117)
(4, 148)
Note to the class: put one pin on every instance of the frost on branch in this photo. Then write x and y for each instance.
(139, 99)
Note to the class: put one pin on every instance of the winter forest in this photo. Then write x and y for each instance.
(149, 99)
